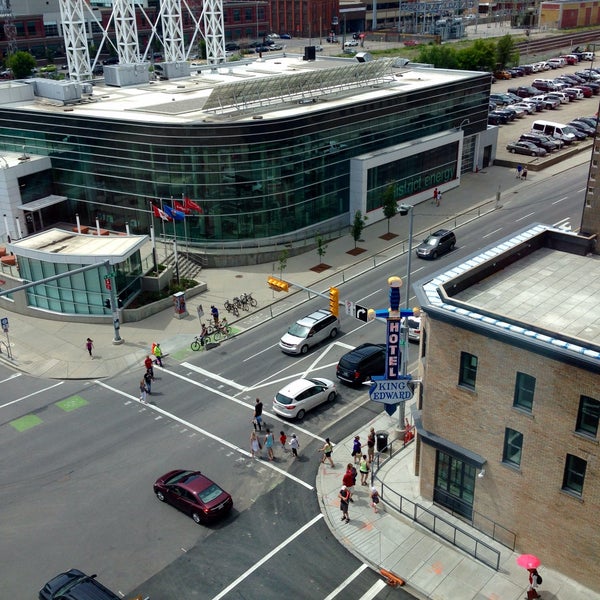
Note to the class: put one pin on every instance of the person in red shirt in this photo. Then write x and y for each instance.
(349, 479)
(148, 365)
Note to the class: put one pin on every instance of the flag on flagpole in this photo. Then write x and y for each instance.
(176, 215)
(160, 214)
(191, 205)
(181, 208)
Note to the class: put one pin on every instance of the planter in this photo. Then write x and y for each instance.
(152, 283)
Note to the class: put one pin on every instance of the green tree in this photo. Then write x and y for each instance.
(321, 246)
(442, 56)
(357, 226)
(283, 258)
(506, 53)
(479, 56)
(390, 206)
(21, 64)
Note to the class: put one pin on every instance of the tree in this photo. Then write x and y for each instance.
(321, 247)
(440, 56)
(390, 206)
(358, 225)
(506, 53)
(283, 258)
(21, 64)
(479, 56)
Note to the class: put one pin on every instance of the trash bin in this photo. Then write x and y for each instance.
(382, 441)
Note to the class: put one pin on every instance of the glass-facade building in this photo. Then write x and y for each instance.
(271, 174)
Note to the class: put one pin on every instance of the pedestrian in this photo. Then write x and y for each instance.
(371, 445)
(534, 581)
(143, 391)
(283, 440)
(269, 441)
(374, 499)
(158, 354)
(257, 420)
(364, 470)
(89, 344)
(345, 496)
(148, 382)
(356, 449)
(214, 311)
(327, 450)
(519, 171)
(203, 335)
(524, 174)
(435, 197)
(294, 445)
(439, 198)
(148, 365)
(255, 445)
(348, 479)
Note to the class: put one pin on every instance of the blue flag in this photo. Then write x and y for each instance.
(176, 215)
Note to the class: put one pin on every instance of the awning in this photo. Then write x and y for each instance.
(42, 203)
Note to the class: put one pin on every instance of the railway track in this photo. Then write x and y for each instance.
(564, 43)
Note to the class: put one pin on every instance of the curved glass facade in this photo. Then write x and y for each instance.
(263, 178)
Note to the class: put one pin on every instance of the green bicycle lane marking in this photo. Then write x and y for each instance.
(27, 422)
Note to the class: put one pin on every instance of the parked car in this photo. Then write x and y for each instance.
(285, 36)
(502, 74)
(350, 43)
(509, 114)
(562, 97)
(574, 93)
(579, 135)
(550, 103)
(194, 494)
(587, 91)
(501, 99)
(591, 121)
(76, 585)
(302, 395)
(362, 363)
(232, 46)
(527, 107)
(589, 131)
(524, 147)
(112, 60)
(521, 112)
(437, 243)
(308, 331)
(497, 118)
(524, 91)
(414, 327)
(542, 141)
(332, 39)
(535, 103)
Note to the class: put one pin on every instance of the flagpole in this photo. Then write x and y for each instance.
(187, 244)
(175, 239)
(163, 230)
(153, 238)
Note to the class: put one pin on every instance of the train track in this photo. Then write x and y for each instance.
(564, 43)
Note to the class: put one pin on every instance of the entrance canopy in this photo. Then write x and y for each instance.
(42, 203)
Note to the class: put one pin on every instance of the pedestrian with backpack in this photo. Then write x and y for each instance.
(534, 581)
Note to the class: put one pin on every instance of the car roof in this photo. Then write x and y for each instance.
(366, 349)
(297, 386)
(195, 482)
(315, 317)
(440, 232)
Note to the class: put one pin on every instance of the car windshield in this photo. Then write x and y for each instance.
(413, 324)
(298, 330)
(432, 241)
(179, 477)
(210, 493)
(569, 129)
(283, 399)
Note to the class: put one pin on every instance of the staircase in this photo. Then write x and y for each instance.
(190, 265)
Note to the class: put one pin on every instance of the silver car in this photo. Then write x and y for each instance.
(302, 395)
(308, 331)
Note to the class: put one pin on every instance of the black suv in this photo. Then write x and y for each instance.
(543, 141)
(360, 364)
(75, 585)
(437, 243)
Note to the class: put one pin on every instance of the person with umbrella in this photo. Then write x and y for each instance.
(531, 563)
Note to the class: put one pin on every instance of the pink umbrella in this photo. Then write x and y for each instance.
(528, 561)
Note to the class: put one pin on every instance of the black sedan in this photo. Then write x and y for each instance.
(528, 148)
(194, 494)
(75, 584)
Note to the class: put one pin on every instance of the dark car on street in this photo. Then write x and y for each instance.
(439, 242)
(528, 148)
(193, 494)
(362, 363)
(76, 585)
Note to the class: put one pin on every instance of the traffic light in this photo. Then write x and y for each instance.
(334, 301)
(278, 284)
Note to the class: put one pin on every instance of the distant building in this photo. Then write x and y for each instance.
(509, 419)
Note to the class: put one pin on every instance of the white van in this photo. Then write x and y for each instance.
(588, 56)
(555, 130)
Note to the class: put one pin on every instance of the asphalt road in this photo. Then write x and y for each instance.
(76, 490)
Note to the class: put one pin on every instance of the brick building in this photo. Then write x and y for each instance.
(510, 408)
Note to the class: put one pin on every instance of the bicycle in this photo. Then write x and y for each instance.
(241, 303)
(247, 298)
(197, 344)
(224, 328)
(232, 308)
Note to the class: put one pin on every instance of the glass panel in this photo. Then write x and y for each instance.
(588, 416)
(513, 444)
(524, 391)
(468, 370)
(575, 468)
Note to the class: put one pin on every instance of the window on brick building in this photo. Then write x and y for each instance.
(574, 474)
(513, 447)
(524, 390)
(237, 15)
(468, 370)
(588, 416)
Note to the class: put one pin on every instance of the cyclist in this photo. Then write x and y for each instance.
(203, 335)
(224, 326)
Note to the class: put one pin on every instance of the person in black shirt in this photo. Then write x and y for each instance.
(257, 421)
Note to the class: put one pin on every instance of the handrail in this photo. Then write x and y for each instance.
(427, 518)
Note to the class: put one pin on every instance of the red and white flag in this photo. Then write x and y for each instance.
(160, 214)
(191, 205)
(181, 208)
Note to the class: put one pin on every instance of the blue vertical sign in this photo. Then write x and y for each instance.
(393, 354)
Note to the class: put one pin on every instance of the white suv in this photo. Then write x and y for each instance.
(309, 331)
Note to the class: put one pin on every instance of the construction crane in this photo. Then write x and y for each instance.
(10, 31)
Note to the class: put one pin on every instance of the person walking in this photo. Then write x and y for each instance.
(269, 441)
(519, 171)
(371, 445)
(534, 581)
(345, 497)
(439, 198)
(214, 311)
(435, 196)
(349, 479)
(524, 174)
(327, 451)
(148, 382)
(374, 499)
(356, 449)
(255, 445)
(149, 366)
(364, 470)
(257, 420)
(294, 445)
(158, 354)
(283, 440)
(143, 391)
(89, 344)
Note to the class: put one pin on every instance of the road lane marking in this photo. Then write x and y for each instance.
(316, 361)
(561, 200)
(492, 232)
(342, 587)
(267, 557)
(32, 394)
(260, 352)
(525, 217)
(11, 377)
(206, 373)
(375, 589)
(212, 436)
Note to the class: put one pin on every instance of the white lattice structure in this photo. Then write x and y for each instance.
(215, 31)
(74, 35)
(126, 31)
(172, 27)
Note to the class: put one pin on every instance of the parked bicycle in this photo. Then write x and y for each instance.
(247, 298)
(232, 308)
(241, 304)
